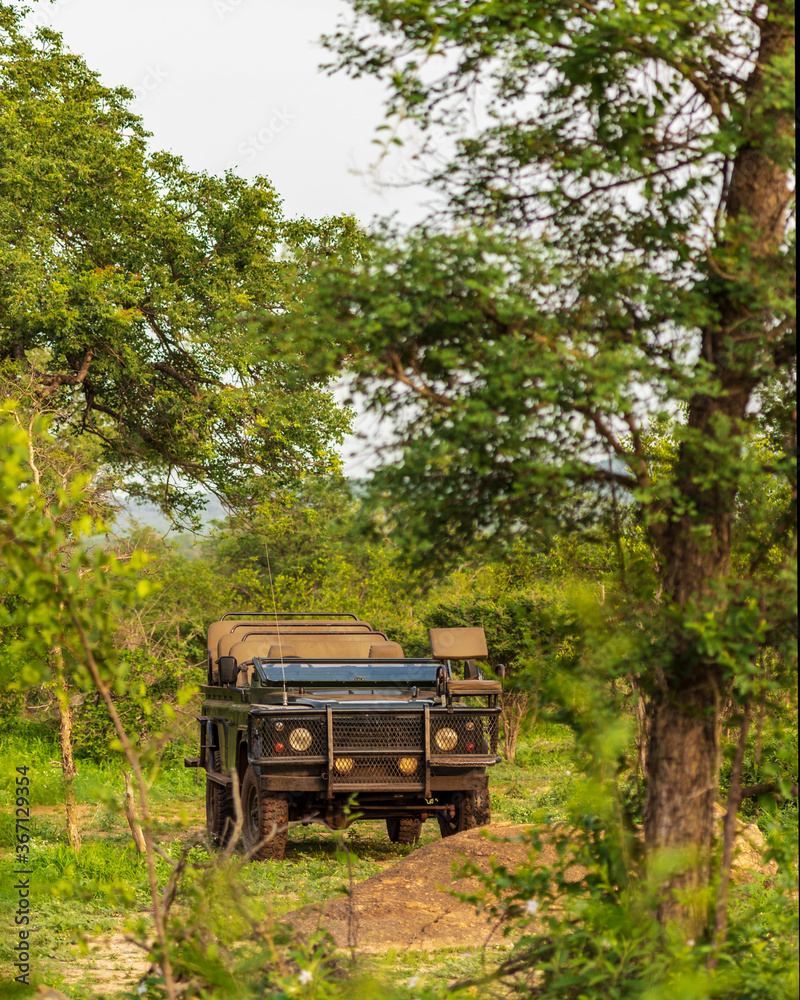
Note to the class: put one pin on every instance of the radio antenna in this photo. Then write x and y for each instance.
(277, 622)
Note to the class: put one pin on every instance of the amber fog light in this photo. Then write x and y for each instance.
(344, 765)
(300, 740)
(408, 765)
(446, 739)
(279, 748)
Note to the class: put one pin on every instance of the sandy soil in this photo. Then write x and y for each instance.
(407, 906)
(411, 906)
(113, 963)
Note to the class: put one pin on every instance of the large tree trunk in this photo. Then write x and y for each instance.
(695, 545)
(679, 816)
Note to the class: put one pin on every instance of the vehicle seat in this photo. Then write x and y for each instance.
(386, 651)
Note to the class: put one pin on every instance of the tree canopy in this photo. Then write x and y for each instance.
(615, 268)
(639, 158)
(124, 277)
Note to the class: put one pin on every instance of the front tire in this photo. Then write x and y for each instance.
(266, 821)
(472, 809)
(403, 829)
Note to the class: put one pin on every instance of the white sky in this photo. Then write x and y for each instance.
(235, 83)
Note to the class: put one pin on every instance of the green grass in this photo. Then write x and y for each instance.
(535, 788)
(105, 886)
(79, 897)
(410, 972)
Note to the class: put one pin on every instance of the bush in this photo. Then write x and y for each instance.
(148, 697)
(778, 763)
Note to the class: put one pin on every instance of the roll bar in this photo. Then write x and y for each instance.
(290, 614)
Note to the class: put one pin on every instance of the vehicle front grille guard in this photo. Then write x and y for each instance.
(383, 748)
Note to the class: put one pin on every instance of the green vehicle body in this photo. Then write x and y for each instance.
(362, 733)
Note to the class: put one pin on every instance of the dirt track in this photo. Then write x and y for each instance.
(409, 905)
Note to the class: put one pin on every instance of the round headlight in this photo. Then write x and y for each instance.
(300, 740)
(408, 765)
(344, 765)
(446, 738)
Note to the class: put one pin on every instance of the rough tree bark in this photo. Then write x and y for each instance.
(696, 546)
(642, 726)
(133, 819)
(68, 769)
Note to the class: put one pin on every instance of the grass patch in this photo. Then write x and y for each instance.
(80, 898)
(535, 788)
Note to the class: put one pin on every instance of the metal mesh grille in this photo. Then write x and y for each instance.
(378, 770)
(288, 736)
(457, 733)
(378, 732)
(390, 737)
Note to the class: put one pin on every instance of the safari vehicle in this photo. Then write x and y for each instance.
(321, 719)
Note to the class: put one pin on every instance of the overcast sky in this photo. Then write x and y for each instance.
(235, 83)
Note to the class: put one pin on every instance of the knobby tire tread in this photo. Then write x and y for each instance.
(272, 821)
(220, 814)
(473, 809)
(403, 829)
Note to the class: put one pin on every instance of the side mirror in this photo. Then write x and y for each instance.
(227, 667)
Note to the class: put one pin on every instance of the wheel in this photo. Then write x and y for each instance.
(471, 809)
(482, 808)
(403, 829)
(266, 821)
(220, 816)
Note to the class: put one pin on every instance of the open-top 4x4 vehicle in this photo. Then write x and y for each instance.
(322, 719)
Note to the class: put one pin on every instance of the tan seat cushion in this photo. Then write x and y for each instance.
(219, 628)
(276, 652)
(250, 631)
(386, 651)
(216, 630)
(306, 647)
(475, 687)
(458, 643)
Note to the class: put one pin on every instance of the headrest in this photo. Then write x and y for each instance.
(458, 643)
(278, 652)
(386, 651)
(306, 647)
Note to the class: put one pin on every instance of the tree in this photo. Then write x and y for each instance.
(124, 278)
(53, 467)
(633, 269)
